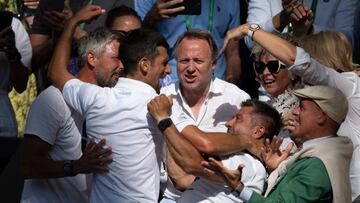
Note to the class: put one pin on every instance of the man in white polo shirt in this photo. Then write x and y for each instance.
(205, 101)
(119, 114)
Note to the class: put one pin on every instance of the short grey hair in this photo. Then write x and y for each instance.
(95, 42)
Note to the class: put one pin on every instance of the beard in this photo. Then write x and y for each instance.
(111, 80)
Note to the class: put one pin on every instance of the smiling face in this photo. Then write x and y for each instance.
(194, 65)
(274, 83)
(108, 67)
(241, 123)
(306, 114)
(159, 68)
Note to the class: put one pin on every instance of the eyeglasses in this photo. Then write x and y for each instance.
(272, 66)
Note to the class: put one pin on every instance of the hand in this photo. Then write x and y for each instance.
(160, 106)
(302, 20)
(231, 177)
(271, 154)
(31, 4)
(289, 6)
(56, 20)
(88, 13)
(289, 121)
(163, 9)
(234, 34)
(95, 158)
(7, 42)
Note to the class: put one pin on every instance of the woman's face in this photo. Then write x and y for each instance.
(274, 83)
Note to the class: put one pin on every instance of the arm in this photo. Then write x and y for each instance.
(179, 177)
(57, 72)
(279, 48)
(37, 164)
(314, 73)
(19, 74)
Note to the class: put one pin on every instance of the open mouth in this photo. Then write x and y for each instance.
(190, 78)
(268, 81)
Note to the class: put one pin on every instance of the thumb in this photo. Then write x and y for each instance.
(170, 98)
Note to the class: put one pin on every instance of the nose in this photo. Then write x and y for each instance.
(266, 71)
(167, 69)
(230, 122)
(191, 67)
(121, 65)
(296, 111)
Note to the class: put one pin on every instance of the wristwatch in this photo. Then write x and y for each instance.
(237, 191)
(164, 123)
(252, 28)
(69, 168)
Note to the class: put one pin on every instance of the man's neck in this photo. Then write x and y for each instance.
(86, 75)
(195, 98)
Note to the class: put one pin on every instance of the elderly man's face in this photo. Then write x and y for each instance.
(194, 66)
(307, 112)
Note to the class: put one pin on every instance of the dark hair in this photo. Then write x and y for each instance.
(270, 117)
(119, 12)
(137, 44)
(198, 34)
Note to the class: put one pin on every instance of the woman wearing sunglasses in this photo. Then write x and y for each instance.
(314, 73)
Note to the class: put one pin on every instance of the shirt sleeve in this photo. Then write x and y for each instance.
(22, 42)
(259, 12)
(81, 96)
(314, 73)
(46, 116)
(142, 7)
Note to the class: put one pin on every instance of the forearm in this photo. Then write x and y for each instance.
(57, 72)
(280, 21)
(42, 52)
(19, 75)
(233, 62)
(279, 48)
(150, 20)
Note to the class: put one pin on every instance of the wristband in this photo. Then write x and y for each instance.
(164, 123)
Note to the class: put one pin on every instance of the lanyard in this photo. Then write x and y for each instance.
(210, 18)
(313, 7)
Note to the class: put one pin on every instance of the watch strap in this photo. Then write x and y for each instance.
(164, 123)
(68, 167)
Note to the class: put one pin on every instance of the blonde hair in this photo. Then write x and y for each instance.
(330, 48)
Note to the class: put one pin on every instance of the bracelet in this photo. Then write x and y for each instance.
(237, 191)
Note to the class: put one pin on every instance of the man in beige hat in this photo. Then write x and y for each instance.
(319, 171)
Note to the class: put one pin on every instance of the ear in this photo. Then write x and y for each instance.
(144, 65)
(322, 118)
(91, 59)
(258, 131)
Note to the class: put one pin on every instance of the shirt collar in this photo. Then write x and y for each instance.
(308, 142)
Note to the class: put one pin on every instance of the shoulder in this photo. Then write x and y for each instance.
(230, 90)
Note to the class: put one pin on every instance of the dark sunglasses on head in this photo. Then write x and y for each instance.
(272, 66)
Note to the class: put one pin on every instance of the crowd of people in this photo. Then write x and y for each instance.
(141, 100)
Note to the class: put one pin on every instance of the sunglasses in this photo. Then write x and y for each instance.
(272, 66)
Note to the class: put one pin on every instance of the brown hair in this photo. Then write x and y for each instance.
(330, 48)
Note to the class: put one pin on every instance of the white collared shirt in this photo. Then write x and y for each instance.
(120, 116)
(222, 102)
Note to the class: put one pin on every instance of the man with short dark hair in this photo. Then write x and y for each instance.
(123, 18)
(254, 119)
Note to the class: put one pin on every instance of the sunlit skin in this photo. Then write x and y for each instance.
(307, 121)
(126, 23)
(241, 123)
(194, 66)
(159, 68)
(107, 66)
(274, 83)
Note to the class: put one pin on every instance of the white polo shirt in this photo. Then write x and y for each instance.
(205, 191)
(222, 102)
(120, 116)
